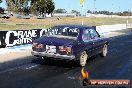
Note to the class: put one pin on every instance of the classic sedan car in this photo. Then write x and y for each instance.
(72, 42)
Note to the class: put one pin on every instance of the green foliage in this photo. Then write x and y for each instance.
(42, 6)
(124, 13)
(89, 11)
(0, 1)
(16, 5)
(76, 12)
(50, 6)
(36, 7)
(1, 10)
(60, 11)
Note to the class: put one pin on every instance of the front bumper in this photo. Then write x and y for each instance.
(53, 55)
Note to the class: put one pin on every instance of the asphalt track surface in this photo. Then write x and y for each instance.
(32, 72)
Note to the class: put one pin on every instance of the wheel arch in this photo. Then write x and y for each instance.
(106, 43)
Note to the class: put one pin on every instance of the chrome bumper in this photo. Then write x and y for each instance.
(34, 53)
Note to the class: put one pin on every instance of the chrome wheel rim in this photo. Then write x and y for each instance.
(105, 50)
(83, 58)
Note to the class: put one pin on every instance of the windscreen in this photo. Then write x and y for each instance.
(63, 32)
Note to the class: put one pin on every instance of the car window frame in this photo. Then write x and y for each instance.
(75, 38)
(89, 35)
(96, 33)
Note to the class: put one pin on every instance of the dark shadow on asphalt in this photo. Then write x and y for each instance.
(16, 63)
(55, 62)
(61, 63)
(45, 62)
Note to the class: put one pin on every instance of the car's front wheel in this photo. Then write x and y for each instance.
(83, 58)
(104, 51)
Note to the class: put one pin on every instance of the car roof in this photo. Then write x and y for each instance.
(76, 26)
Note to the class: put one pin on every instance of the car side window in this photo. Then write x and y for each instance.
(86, 35)
(94, 34)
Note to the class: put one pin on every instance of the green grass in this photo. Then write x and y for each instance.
(21, 24)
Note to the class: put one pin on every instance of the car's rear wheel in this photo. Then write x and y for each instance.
(83, 58)
(104, 51)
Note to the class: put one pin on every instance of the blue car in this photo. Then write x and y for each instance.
(72, 42)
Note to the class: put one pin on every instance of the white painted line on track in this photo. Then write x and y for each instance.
(31, 67)
(8, 70)
(70, 77)
(21, 67)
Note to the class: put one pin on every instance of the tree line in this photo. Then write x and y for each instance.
(64, 11)
(37, 7)
(1, 9)
(40, 7)
(124, 13)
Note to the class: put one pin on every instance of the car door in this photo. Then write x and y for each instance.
(97, 41)
(87, 43)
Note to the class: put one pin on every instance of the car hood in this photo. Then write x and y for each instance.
(54, 41)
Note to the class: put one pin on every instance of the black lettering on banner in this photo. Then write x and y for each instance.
(2, 39)
(43, 32)
(20, 37)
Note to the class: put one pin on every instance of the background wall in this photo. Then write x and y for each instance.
(21, 37)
